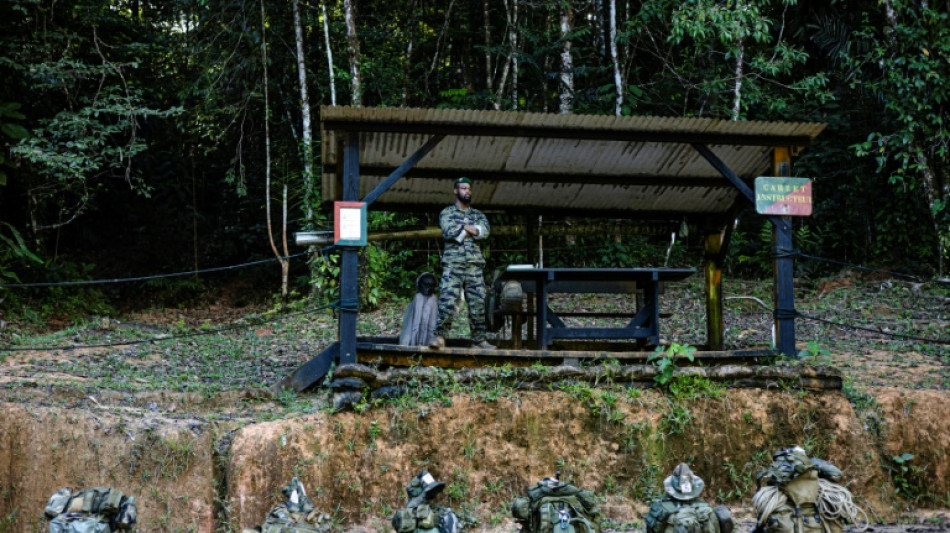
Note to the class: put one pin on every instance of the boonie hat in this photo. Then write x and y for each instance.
(683, 484)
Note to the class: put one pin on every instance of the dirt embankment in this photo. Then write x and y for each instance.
(355, 465)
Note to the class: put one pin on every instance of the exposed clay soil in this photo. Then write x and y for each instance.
(199, 452)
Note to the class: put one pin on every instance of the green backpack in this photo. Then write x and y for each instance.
(667, 516)
(553, 506)
(420, 519)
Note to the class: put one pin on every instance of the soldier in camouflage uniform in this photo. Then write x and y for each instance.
(296, 515)
(462, 263)
(683, 511)
(421, 514)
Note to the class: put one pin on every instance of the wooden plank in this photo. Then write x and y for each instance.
(386, 351)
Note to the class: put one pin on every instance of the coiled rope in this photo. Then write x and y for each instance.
(834, 504)
(766, 501)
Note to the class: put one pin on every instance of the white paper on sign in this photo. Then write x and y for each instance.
(428, 479)
(350, 221)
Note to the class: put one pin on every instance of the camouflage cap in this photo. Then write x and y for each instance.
(683, 484)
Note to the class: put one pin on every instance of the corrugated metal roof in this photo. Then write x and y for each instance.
(554, 163)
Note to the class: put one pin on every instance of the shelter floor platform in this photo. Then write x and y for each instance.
(459, 354)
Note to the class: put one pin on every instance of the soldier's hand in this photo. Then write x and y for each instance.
(471, 230)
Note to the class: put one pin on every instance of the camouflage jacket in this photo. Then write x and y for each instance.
(460, 248)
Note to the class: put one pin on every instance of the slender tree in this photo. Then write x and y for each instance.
(353, 46)
(326, 40)
(567, 60)
(282, 259)
(614, 60)
(307, 128)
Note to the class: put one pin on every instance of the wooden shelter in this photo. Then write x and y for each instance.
(650, 169)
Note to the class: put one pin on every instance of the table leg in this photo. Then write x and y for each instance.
(542, 324)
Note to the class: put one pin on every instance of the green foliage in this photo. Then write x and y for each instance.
(750, 252)
(909, 481)
(690, 386)
(14, 252)
(664, 359)
(706, 40)
(11, 131)
(35, 307)
(899, 64)
(375, 267)
(813, 349)
(677, 420)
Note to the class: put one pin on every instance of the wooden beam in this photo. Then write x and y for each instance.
(595, 134)
(406, 166)
(485, 176)
(724, 169)
(310, 372)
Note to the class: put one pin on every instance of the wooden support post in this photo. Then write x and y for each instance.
(712, 266)
(349, 268)
(531, 242)
(784, 285)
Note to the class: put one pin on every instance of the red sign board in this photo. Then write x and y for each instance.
(783, 196)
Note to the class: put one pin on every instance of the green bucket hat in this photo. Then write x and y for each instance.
(683, 484)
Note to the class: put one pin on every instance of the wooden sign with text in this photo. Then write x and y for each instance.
(783, 196)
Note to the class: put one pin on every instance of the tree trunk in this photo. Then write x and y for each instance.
(438, 41)
(513, 29)
(307, 127)
(598, 34)
(612, 32)
(353, 46)
(486, 13)
(267, 163)
(737, 91)
(567, 62)
(326, 39)
(410, 35)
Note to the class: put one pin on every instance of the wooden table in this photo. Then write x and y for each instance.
(645, 324)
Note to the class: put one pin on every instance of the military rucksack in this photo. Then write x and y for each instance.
(92, 510)
(424, 519)
(801, 496)
(553, 506)
(668, 516)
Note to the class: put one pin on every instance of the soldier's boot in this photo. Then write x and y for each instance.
(437, 343)
(484, 345)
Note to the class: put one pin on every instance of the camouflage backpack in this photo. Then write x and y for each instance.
(92, 510)
(553, 506)
(796, 488)
(669, 516)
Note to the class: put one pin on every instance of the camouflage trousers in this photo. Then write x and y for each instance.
(455, 279)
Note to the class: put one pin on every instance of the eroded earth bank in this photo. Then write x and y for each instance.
(223, 470)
